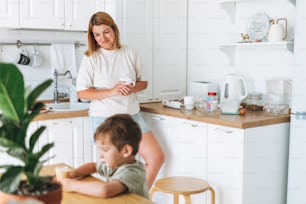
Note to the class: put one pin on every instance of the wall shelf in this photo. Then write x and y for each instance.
(289, 45)
(230, 48)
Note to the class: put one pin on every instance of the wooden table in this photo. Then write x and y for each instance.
(76, 198)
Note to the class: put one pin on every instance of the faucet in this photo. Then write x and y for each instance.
(58, 95)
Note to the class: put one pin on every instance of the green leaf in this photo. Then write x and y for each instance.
(18, 153)
(37, 91)
(35, 136)
(35, 180)
(11, 92)
(44, 149)
(8, 143)
(10, 179)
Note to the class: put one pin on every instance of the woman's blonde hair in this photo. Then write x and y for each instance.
(97, 19)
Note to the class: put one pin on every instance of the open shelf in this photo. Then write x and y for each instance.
(282, 45)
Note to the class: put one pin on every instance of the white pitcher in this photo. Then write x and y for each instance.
(277, 32)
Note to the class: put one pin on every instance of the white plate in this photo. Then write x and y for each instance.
(258, 26)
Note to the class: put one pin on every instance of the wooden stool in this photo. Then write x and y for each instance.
(180, 185)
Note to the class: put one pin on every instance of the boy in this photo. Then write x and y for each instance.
(117, 140)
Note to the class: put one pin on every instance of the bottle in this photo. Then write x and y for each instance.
(73, 97)
(211, 101)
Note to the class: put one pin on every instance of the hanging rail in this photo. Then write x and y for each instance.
(19, 44)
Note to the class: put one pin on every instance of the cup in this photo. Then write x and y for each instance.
(61, 172)
(127, 81)
(188, 102)
(36, 59)
(23, 58)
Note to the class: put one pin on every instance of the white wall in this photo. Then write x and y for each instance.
(212, 24)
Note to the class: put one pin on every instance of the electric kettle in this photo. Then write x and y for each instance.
(233, 92)
(277, 32)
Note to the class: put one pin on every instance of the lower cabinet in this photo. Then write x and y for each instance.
(244, 166)
(185, 145)
(247, 166)
(67, 135)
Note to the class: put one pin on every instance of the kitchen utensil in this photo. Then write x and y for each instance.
(258, 26)
(277, 32)
(233, 92)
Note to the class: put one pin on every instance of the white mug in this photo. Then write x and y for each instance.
(188, 102)
(36, 58)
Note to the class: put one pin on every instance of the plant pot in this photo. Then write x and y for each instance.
(53, 197)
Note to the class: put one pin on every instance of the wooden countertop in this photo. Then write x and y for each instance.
(249, 120)
(76, 198)
(60, 115)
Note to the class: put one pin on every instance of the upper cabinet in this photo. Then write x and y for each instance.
(70, 15)
(9, 13)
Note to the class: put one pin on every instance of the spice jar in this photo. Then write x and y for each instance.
(255, 102)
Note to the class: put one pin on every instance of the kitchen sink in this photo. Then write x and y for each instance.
(67, 106)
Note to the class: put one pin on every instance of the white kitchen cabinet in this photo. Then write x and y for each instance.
(71, 15)
(247, 166)
(90, 150)
(158, 31)
(67, 135)
(185, 145)
(169, 49)
(9, 13)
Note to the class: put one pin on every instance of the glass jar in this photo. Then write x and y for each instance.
(255, 102)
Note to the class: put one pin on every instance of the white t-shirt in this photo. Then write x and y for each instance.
(103, 70)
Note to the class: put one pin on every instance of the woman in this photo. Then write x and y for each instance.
(110, 76)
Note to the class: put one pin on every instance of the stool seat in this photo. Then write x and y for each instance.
(182, 185)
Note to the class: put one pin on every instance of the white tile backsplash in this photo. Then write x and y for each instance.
(34, 76)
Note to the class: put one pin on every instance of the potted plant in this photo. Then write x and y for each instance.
(17, 109)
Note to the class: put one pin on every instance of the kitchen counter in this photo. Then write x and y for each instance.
(249, 120)
(60, 115)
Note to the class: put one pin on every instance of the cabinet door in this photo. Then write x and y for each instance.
(90, 150)
(47, 14)
(67, 135)
(169, 49)
(225, 163)
(78, 13)
(9, 13)
(58, 14)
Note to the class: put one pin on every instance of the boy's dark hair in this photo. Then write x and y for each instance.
(121, 130)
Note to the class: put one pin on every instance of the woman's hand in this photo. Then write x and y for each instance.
(125, 89)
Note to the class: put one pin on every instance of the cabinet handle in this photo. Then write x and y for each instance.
(224, 130)
(157, 118)
(191, 124)
(62, 123)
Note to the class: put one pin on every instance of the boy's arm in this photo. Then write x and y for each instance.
(94, 188)
(84, 170)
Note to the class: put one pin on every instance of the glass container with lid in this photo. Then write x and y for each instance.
(255, 102)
